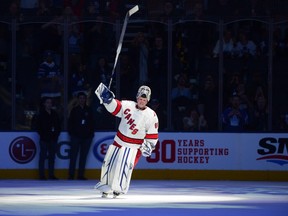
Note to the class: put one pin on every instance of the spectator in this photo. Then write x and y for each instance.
(245, 47)
(257, 84)
(181, 99)
(50, 33)
(127, 76)
(75, 40)
(102, 73)
(81, 131)
(43, 10)
(67, 15)
(158, 68)
(97, 41)
(14, 11)
(76, 6)
(116, 9)
(94, 8)
(228, 45)
(245, 101)
(262, 42)
(283, 122)
(194, 121)
(277, 42)
(232, 84)
(260, 115)
(169, 12)
(233, 118)
(48, 127)
(197, 11)
(259, 92)
(155, 105)
(28, 7)
(208, 99)
(139, 54)
(181, 89)
(194, 89)
(50, 79)
(103, 70)
(56, 30)
(199, 44)
(181, 51)
(80, 81)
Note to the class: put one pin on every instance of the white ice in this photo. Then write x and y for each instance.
(201, 198)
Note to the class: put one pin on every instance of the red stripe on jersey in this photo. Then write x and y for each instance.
(129, 139)
(151, 136)
(118, 107)
(117, 144)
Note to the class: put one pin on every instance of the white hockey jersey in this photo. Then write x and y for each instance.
(135, 125)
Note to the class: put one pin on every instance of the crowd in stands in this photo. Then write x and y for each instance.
(196, 52)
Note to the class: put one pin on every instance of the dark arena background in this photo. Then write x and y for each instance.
(202, 60)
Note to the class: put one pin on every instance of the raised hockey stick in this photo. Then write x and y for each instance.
(128, 14)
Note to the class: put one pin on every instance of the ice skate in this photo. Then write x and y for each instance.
(115, 194)
(104, 195)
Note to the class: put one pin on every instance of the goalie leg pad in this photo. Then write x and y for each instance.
(117, 169)
(103, 188)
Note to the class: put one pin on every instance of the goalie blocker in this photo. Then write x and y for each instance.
(104, 94)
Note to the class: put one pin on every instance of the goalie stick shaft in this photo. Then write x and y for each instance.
(119, 47)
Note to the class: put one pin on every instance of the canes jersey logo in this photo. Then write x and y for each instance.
(274, 150)
(130, 121)
(22, 150)
(101, 146)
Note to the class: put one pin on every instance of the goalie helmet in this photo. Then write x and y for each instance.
(145, 92)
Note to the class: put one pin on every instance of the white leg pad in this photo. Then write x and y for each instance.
(117, 169)
(103, 187)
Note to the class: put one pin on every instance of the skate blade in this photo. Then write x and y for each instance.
(104, 195)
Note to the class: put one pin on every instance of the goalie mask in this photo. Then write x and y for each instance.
(145, 92)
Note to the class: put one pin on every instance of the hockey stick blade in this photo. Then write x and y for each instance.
(119, 47)
(133, 10)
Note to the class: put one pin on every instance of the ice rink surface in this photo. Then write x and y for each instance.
(149, 198)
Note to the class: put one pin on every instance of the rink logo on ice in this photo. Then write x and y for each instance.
(101, 146)
(22, 150)
(273, 150)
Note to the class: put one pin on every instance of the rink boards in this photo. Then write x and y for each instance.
(191, 156)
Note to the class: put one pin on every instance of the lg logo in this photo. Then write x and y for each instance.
(22, 150)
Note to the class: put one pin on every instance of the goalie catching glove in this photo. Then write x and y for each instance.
(104, 94)
(146, 149)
